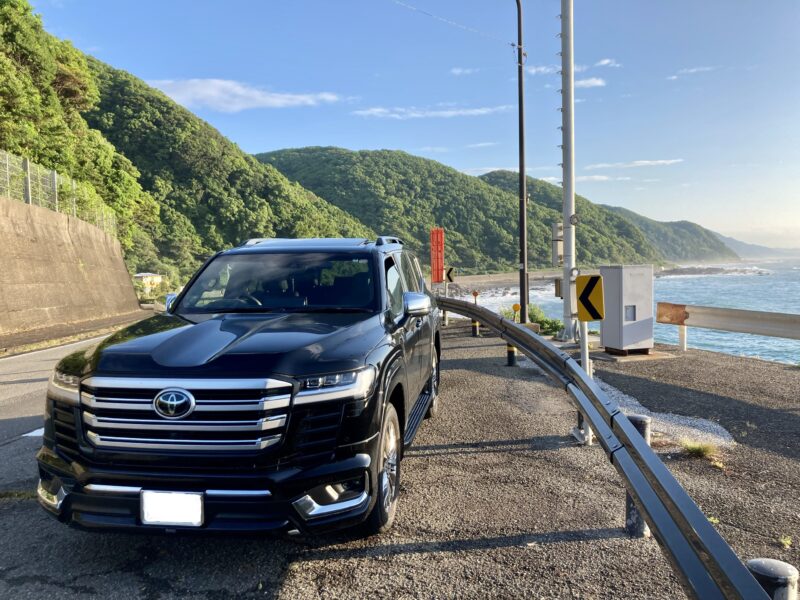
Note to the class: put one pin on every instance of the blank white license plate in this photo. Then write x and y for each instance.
(183, 509)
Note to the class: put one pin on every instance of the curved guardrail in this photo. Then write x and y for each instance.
(706, 565)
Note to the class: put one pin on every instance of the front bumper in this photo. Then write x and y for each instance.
(279, 501)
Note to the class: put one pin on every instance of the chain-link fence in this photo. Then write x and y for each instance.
(23, 180)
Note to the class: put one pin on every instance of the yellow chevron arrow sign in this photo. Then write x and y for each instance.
(590, 298)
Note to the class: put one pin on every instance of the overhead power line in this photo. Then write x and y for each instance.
(452, 23)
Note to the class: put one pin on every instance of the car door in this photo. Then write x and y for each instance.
(406, 328)
(424, 339)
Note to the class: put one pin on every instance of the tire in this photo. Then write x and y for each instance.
(432, 387)
(387, 487)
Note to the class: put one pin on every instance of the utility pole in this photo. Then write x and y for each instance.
(568, 165)
(523, 195)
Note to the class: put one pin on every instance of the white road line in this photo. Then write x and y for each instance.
(35, 433)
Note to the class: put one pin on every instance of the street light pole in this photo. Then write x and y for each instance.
(568, 162)
(523, 195)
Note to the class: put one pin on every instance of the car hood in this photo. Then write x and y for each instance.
(231, 345)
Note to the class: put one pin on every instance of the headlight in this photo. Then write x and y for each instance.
(63, 387)
(352, 384)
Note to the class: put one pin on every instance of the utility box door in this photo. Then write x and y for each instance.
(629, 307)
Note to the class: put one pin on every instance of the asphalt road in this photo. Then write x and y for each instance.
(23, 380)
(497, 501)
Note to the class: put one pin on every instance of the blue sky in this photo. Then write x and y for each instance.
(689, 110)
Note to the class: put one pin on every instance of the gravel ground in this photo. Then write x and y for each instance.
(497, 501)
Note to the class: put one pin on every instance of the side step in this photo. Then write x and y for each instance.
(416, 417)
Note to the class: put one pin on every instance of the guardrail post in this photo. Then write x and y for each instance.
(511, 355)
(682, 337)
(476, 326)
(635, 525)
(582, 432)
(779, 579)
(26, 183)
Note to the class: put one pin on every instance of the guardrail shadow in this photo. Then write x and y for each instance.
(771, 429)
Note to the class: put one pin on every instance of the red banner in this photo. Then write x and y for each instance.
(437, 255)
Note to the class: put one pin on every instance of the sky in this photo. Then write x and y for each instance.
(684, 109)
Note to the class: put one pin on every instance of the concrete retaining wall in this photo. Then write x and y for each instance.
(57, 270)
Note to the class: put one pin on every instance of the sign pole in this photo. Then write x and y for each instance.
(444, 313)
(586, 362)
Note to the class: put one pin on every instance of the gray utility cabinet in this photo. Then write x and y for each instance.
(628, 296)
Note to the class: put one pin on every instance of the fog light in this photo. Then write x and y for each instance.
(344, 490)
(50, 499)
(333, 498)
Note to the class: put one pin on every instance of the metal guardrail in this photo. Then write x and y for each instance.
(782, 325)
(706, 565)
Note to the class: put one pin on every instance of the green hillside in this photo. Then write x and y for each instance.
(677, 241)
(680, 241)
(179, 188)
(395, 192)
(597, 223)
(212, 194)
(45, 86)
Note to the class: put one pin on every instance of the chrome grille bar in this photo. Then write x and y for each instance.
(268, 403)
(113, 442)
(274, 422)
(189, 384)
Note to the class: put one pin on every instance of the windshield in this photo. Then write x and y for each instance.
(272, 282)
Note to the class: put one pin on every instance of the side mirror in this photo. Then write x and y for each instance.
(417, 304)
(163, 304)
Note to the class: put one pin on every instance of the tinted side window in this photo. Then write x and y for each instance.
(418, 270)
(394, 289)
(409, 273)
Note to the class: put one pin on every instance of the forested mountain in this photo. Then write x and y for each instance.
(597, 223)
(394, 192)
(212, 195)
(746, 250)
(45, 86)
(179, 188)
(680, 241)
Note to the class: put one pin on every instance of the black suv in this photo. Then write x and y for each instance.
(277, 392)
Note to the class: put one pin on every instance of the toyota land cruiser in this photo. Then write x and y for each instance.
(276, 392)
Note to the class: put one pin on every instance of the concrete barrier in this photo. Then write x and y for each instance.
(57, 270)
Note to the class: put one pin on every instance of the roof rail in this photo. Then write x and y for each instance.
(256, 241)
(388, 239)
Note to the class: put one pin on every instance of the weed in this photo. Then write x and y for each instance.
(785, 541)
(699, 449)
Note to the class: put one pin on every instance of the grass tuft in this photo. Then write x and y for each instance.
(785, 541)
(699, 449)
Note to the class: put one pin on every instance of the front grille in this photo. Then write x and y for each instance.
(230, 415)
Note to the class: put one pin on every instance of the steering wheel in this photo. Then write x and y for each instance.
(249, 300)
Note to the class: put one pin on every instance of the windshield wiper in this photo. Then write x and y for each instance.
(328, 309)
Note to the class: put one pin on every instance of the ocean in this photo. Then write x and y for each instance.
(772, 286)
